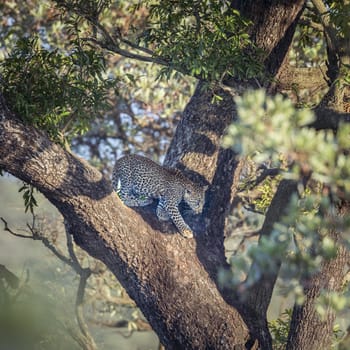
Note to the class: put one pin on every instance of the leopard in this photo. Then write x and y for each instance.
(139, 181)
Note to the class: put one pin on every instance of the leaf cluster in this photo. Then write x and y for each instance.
(279, 329)
(339, 14)
(207, 39)
(270, 129)
(55, 91)
(28, 196)
(266, 192)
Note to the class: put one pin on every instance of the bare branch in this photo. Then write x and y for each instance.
(84, 274)
(37, 235)
(6, 228)
(137, 47)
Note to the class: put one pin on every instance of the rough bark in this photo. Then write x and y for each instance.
(308, 329)
(196, 150)
(273, 27)
(172, 280)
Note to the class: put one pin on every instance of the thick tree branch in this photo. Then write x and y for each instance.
(160, 272)
(306, 324)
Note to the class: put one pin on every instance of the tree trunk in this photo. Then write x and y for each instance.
(196, 150)
(308, 329)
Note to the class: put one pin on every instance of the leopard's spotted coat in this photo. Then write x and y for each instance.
(139, 180)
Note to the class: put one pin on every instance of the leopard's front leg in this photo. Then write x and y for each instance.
(166, 209)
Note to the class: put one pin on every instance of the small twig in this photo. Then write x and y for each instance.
(36, 235)
(113, 46)
(68, 122)
(137, 47)
(252, 209)
(6, 228)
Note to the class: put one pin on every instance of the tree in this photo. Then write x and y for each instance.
(230, 47)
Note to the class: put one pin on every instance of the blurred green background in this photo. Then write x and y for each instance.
(39, 313)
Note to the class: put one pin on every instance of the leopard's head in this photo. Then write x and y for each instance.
(194, 196)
